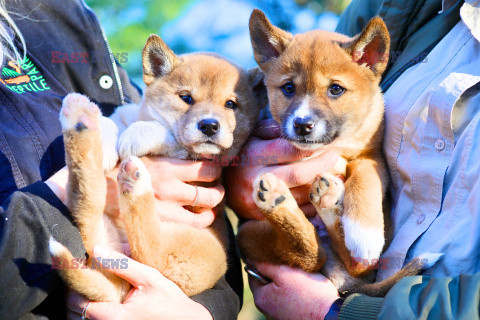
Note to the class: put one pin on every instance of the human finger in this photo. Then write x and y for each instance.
(187, 194)
(134, 272)
(173, 212)
(308, 210)
(304, 172)
(184, 170)
(267, 129)
(270, 152)
(76, 302)
(301, 194)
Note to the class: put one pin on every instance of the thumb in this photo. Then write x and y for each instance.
(268, 129)
(271, 271)
(134, 272)
(103, 310)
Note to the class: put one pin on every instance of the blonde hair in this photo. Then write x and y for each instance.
(8, 32)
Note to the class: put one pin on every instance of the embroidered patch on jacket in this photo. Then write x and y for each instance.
(23, 77)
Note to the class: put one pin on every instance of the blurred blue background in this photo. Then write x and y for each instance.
(205, 25)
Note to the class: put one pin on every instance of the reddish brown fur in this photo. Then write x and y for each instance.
(194, 259)
(312, 62)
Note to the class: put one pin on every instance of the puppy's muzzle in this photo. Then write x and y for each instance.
(208, 127)
(303, 126)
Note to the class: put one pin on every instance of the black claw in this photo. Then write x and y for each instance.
(325, 181)
(80, 126)
(262, 186)
(318, 189)
(338, 201)
(137, 174)
(261, 196)
(279, 200)
(311, 197)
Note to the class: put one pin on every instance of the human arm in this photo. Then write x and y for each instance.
(420, 297)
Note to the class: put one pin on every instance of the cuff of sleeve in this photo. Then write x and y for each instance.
(42, 190)
(360, 307)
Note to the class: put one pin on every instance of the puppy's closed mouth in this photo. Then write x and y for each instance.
(206, 149)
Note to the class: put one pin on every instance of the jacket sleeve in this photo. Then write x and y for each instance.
(27, 220)
(420, 297)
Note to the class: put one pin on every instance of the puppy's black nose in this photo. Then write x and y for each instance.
(208, 126)
(303, 126)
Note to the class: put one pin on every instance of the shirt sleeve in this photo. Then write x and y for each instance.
(420, 297)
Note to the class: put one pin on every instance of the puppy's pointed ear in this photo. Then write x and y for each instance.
(158, 59)
(268, 41)
(256, 81)
(371, 46)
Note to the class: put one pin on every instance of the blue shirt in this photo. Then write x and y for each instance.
(432, 130)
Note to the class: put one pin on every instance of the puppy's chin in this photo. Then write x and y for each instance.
(206, 149)
(307, 146)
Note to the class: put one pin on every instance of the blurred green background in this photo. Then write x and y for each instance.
(205, 25)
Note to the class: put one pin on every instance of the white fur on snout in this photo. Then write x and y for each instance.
(192, 136)
(363, 242)
(304, 111)
(109, 132)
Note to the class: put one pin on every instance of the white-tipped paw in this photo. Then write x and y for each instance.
(365, 243)
(133, 177)
(327, 190)
(79, 112)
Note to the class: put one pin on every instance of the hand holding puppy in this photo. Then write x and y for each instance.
(152, 297)
(297, 174)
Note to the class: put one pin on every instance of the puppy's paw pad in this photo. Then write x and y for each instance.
(327, 190)
(133, 177)
(79, 112)
(269, 191)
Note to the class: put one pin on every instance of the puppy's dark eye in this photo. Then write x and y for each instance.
(186, 98)
(336, 90)
(230, 104)
(288, 89)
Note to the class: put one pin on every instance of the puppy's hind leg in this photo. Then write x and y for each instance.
(86, 190)
(297, 243)
(193, 259)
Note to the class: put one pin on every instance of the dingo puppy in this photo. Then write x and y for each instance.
(323, 88)
(194, 106)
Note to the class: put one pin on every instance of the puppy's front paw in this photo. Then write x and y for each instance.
(133, 178)
(80, 113)
(327, 191)
(270, 192)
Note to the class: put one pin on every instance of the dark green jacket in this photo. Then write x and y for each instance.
(415, 28)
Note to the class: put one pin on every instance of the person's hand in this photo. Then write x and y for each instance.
(279, 157)
(152, 297)
(173, 193)
(293, 293)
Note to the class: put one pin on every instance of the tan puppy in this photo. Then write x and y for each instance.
(323, 88)
(195, 106)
